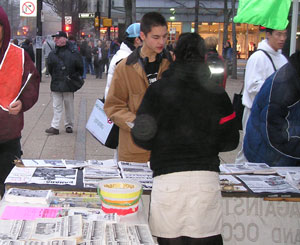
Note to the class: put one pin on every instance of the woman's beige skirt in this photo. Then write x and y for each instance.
(186, 204)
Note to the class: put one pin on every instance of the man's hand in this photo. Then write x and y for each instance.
(15, 108)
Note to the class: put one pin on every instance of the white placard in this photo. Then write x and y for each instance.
(98, 124)
(28, 8)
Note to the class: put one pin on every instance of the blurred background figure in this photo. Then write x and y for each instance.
(27, 46)
(215, 62)
(89, 58)
(83, 51)
(15, 41)
(99, 54)
(73, 42)
(227, 55)
(48, 46)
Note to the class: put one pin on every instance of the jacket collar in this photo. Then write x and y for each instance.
(136, 57)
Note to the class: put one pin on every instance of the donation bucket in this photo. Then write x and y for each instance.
(120, 196)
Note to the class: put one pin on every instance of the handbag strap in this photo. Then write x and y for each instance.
(267, 54)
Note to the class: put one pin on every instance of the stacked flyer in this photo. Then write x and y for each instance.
(261, 178)
(65, 172)
(140, 172)
(72, 230)
(99, 170)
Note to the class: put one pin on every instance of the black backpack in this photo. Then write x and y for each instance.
(217, 67)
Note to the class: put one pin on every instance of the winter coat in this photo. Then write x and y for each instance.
(12, 125)
(185, 120)
(29, 49)
(62, 62)
(48, 46)
(273, 132)
(258, 69)
(126, 49)
(127, 89)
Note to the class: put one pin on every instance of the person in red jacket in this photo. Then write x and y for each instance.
(16, 71)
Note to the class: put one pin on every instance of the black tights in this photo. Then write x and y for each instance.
(183, 240)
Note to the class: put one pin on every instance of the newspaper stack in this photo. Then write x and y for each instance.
(229, 183)
(39, 163)
(99, 164)
(92, 176)
(246, 168)
(17, 195)
(291, 175)
(75, 163)
(267, 183)
(43, 229)
(140, 172)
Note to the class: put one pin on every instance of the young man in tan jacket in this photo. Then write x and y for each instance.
(131, 79)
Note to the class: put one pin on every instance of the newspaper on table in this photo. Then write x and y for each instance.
(120, 233)
(54, 176)
(94, 230)
(140, 172)
(40, 163)
(103, 173)
(92, 176)
(109, 163)
(267, 183)
(291, 175)
(231, 184)
(20, 175)
(91, 183)
(122, 164)
(75, 163)
(42, 229)
(35, 242)
(19, 195)
(246, 168)
(93, 214)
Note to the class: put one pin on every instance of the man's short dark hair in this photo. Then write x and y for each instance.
(150, 20)
(269, 30)
(130, 39)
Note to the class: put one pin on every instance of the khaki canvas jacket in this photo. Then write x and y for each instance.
(127, 90)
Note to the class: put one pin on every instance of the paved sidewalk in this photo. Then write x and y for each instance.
(80, 144)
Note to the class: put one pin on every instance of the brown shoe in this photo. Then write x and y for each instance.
(69, 130)
(52, 131)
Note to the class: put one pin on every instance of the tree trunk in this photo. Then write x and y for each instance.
(196, 16)
(133, 11)
(234, 42)
(226, 23)
(128, 12)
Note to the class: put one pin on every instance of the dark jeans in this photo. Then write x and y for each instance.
(99, 69)
(183, 240)
(9, 151)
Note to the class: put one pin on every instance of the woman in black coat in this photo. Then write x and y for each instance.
(186, 120)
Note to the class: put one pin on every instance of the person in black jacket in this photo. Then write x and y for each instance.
(62, 62)
(27, 46)
(186, 120)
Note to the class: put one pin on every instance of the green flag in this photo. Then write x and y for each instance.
(268, 13)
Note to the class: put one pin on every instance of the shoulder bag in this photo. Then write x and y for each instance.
(74, 80)
(237, 98)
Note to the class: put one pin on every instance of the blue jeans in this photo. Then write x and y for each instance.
(84, 67)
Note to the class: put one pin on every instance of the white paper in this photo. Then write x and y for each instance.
(20, 175)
